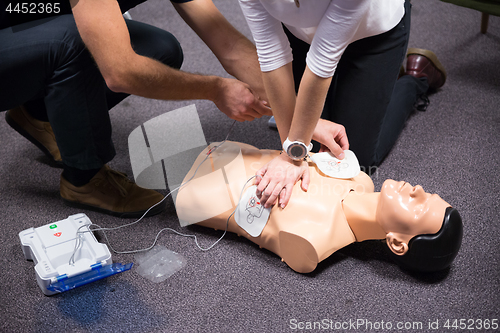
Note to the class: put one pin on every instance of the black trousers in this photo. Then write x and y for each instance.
(45, 66)
(365, 95)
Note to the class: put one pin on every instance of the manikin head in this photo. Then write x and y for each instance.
(423, 232)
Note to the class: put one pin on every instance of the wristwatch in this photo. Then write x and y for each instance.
(296, 150)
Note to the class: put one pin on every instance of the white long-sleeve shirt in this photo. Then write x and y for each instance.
(329, 26)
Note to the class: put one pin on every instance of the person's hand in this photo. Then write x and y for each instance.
(237, 100)
(332, 136)
(277, 178)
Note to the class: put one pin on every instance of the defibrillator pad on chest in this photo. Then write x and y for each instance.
(250, 215)
(333, 167)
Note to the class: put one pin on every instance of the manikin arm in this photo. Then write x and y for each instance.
(104, 32)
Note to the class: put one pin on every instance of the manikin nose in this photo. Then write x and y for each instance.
(417, 191)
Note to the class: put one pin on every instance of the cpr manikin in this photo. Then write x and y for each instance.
(422, 231)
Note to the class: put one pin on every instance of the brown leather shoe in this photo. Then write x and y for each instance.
(38, 132)
(424, 63)
(111, 192)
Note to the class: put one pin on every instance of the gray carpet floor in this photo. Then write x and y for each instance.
(451, 149)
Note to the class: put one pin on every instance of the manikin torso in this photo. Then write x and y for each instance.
(309, 229)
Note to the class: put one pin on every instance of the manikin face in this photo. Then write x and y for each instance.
(405, 211)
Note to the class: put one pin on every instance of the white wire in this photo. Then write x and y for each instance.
(169, 229)
(79, 233)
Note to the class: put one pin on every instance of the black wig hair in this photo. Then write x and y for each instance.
(434, 252)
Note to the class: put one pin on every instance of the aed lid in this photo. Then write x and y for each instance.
(97, 272)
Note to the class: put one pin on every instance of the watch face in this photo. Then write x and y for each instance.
(297, 151)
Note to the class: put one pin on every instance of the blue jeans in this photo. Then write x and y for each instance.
(45, 66)
(365, 95)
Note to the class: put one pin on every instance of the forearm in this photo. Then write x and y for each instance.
(309, 106)
(280, 90)
(296, 118)
(235, 52)
(151, 79)
(242, 63)
(106, 36)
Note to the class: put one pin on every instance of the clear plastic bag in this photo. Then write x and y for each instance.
(159, 263)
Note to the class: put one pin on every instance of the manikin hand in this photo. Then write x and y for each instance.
(277, 178)
(332, 136)
(239, 102)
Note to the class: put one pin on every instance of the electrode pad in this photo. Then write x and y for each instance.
(333, 167)
(250, 215)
